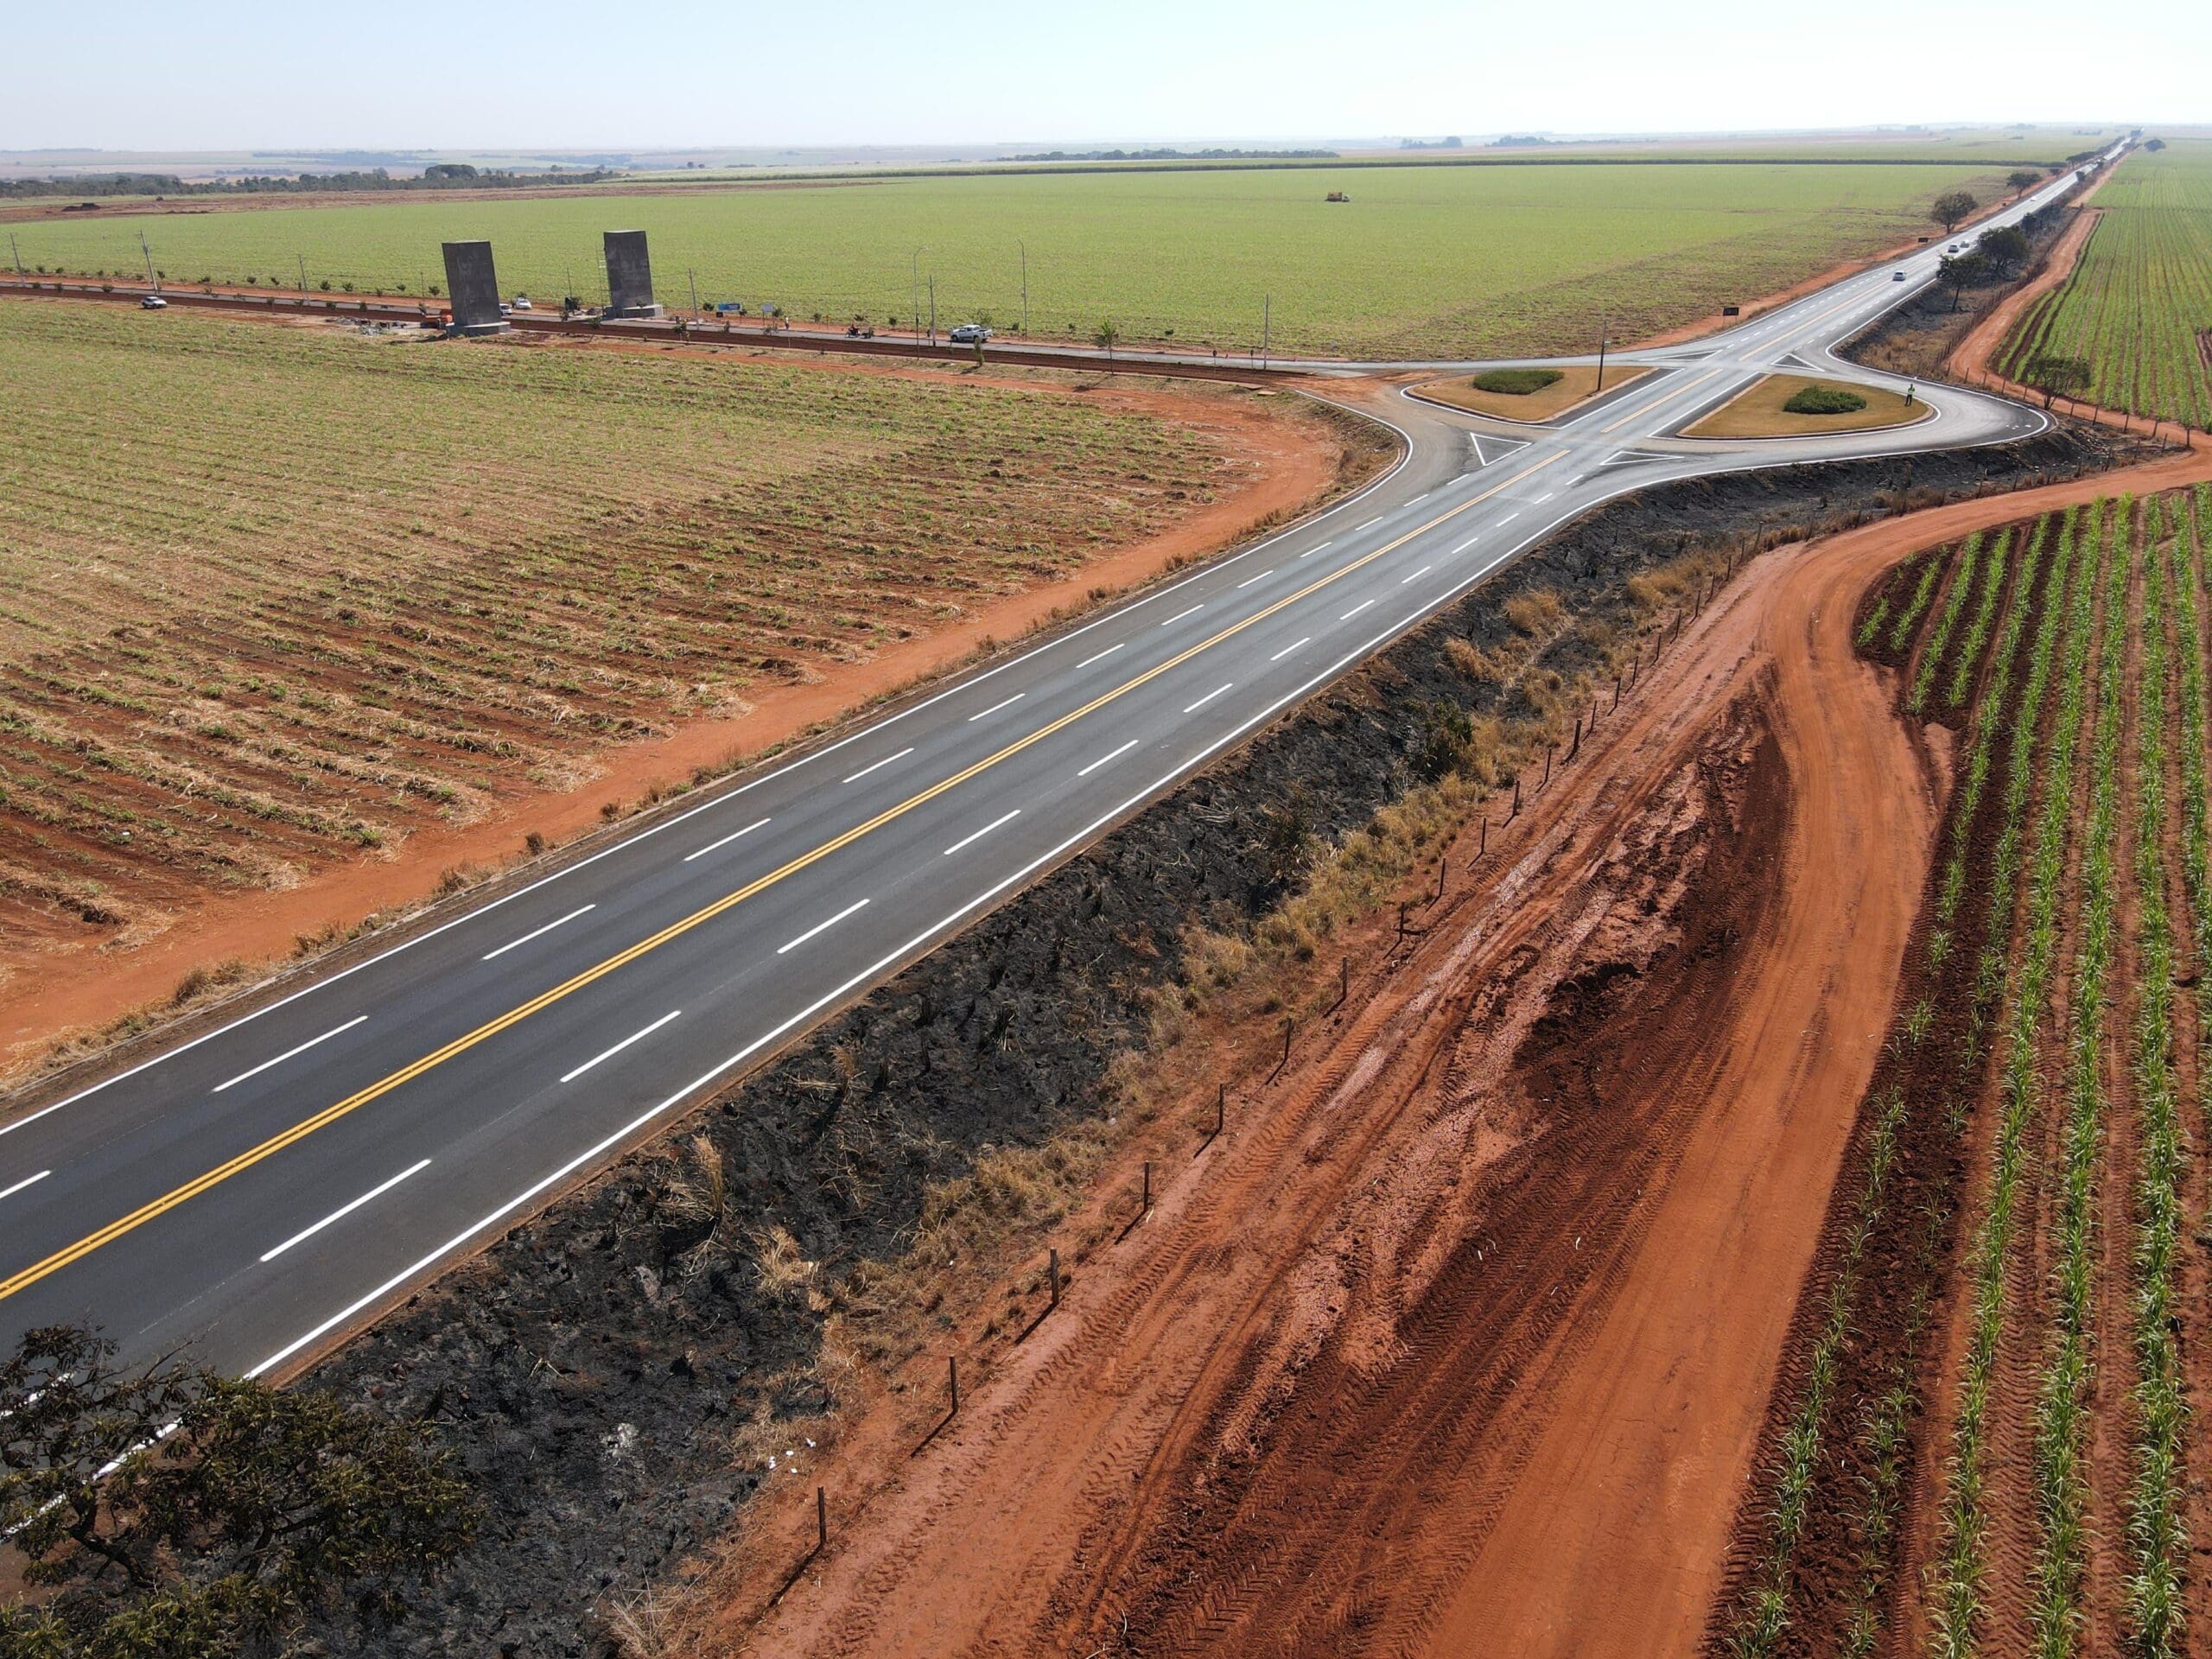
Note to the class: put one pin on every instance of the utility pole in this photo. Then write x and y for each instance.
(914, 270)
(932, 308)
(16, 254)
(1603, 323)
(1024, 246)
(152, 281)
(302, 258)
(694, 276)
(1266, 320)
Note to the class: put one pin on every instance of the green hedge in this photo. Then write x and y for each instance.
(1824, 400)
(1517, 382)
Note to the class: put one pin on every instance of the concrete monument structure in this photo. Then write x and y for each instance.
(629, 275)
(474, 288)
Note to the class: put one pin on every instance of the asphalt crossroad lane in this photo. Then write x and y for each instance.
(258, 1189)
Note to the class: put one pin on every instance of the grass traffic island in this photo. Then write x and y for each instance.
(1527, 394)
(1791, 405)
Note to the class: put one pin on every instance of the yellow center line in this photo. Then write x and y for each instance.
(1657, 402)
(331, 1114)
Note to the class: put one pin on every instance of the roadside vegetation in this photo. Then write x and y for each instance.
(172, 1513)
(2040, 1152)
(1464, 261)
(2132, 327)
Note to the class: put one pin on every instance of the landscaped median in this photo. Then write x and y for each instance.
(1799, 405)
(1534, 394)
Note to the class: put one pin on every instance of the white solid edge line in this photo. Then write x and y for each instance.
(1356, 610)
(1323, 548)
(1287, 650)
(876, 766)
(820, 927)
(342, 1212)
(288, 1054)
(735, 835)
(1249, 581)
(1180, 615)
(627, 841)
(996, 707)
(28, 1180)
(708, 1078)
(535, 933)
(1103, 655)
(980, 833)
(1208, 697)
(635, 1036)
(1103, 758)
(1416, 576)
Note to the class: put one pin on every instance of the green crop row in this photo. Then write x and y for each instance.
(1939, 636)
(2060, 1479)
(1962, 1554)
(2156, 1533)
(1985, 613)
(1900, 629)
(2137, 306)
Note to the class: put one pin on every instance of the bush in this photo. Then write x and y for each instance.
(1517, 382)
(1824, 400)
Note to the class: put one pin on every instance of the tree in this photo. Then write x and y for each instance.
(2057, 376)
(1104, 337)
(1960, 271)
(2020, 178)
(2006, 248)
(1949, 209)
(174, 1512)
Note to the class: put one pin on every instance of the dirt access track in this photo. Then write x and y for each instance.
(1424, 1349)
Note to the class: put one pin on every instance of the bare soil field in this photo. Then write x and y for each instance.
(270, 659)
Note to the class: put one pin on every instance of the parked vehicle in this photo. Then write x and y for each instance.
(153, 303)
(970, 334)
(522, 302)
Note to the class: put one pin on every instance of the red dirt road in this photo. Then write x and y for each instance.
(1427, 1350)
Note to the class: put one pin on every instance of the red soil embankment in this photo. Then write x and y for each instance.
(1462, 1342)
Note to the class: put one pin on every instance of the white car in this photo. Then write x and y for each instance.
(153, 303)
(522, 301)
(970, 334)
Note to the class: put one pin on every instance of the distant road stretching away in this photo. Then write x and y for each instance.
(262, 1189)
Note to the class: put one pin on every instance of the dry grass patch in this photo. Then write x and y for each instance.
(1576, 384)
(1757, 412)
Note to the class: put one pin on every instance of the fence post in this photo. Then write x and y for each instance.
(1055, 1302)
(1517, 802)
(1484, 847)
(821, 1519)
(1443, 866)
(952, 1377)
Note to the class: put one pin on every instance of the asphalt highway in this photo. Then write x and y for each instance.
(262, 1189)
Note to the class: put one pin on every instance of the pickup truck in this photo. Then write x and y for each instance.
(970, 334)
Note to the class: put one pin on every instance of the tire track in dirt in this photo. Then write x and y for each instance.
(1541, 1418)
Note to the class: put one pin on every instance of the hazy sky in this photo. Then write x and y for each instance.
(565, 73)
